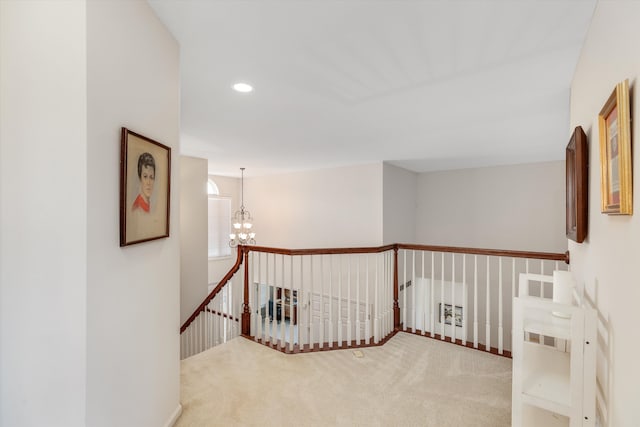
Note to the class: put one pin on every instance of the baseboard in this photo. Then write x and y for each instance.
(174, 417)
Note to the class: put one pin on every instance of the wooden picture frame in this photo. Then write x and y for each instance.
(577, 186)
(145, 188)
(614, 122)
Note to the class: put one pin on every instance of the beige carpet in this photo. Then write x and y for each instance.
(410, 381)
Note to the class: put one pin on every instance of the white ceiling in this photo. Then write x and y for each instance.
(425, 85)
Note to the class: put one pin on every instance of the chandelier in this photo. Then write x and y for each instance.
(242, 223)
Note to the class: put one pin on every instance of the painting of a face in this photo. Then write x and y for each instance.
(145, 167)
(147, 179)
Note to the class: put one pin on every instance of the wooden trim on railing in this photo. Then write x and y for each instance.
(468, 344)
(306, 348)
(215, 291)
(553, 256)
(326, 251)
(221, 314)
(491, 252)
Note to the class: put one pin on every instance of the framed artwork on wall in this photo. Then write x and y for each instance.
(577, 186)
(145, 180)
(616, 176)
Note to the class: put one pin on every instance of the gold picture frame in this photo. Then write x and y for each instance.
(616, 176)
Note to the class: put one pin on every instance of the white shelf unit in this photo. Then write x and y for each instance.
(553, 385)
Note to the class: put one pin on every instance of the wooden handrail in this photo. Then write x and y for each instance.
(325, 251)
(553, 256)
(242, 250)
(216, 290)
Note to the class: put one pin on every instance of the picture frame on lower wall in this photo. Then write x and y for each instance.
(577, 186)
(614, 122)
(145, 187)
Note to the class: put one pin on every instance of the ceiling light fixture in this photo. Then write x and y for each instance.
(242, 223)
(242, 87)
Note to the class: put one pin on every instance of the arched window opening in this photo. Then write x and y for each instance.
(219, 227)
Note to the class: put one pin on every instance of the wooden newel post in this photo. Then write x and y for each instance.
(246, 311)
(396, 306)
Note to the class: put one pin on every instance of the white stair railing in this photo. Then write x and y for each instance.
(320, 299)
(464, 295)
(217, 319)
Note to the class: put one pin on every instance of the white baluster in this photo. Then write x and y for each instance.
(432, 325)
(465, 302)
(424, 295)
(403, 286)
(311, 337)
(211, 324)
(513, 294)
(542, 283)
(388, 299)
(301, 305)
(207, 340)
(475, 301)
(283, 323)
(376, 324)
(442, 306)
(321, 332)
(367, 321)
(330, 301)
(261, 319)
(453, 297)
(340, 335)
(358, 300)
(293, 309)
(488, 309)
(413, 290)
(500, 308)
(349, 335)
(270, 302)
(541, 337)
(200, 334)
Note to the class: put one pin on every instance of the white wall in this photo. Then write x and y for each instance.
(339, 207)
(43, 216)
(193, 234)
(606, 263)
(518, 207)
(133, 296)
(399, 193)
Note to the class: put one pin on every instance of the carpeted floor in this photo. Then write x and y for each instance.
(409, 381)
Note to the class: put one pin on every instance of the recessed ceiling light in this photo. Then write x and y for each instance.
(242, 87)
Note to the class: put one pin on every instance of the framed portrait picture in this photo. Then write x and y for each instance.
(448, 314)
(615, 153)
(577, 186)
(145, 178)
